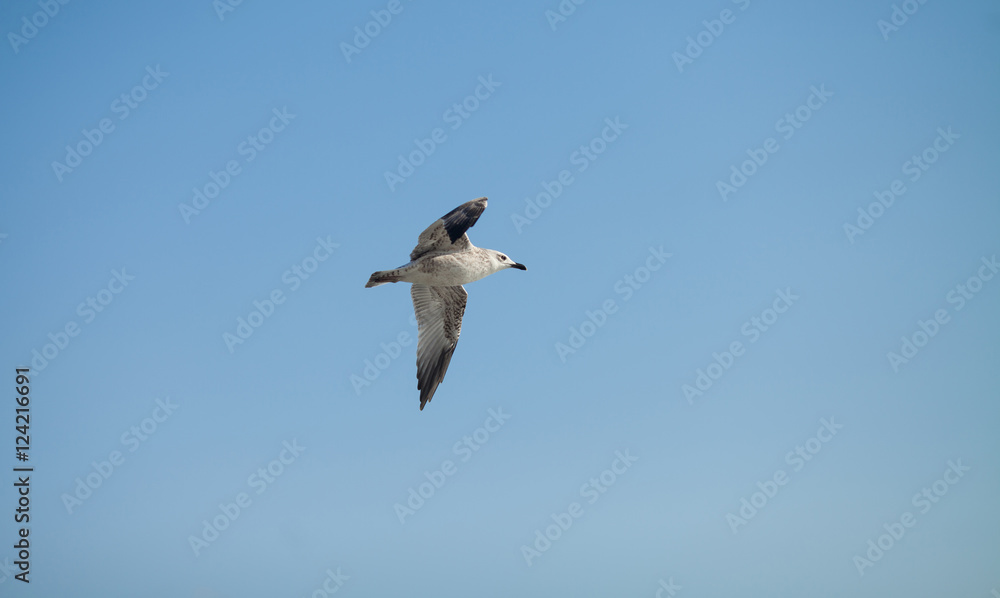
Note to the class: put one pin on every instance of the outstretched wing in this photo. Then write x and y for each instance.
(447, 234)
(439, 322)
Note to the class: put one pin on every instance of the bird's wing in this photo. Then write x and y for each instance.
(439, 322)
(447, 234)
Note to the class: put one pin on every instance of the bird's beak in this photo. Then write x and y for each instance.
(519, 266)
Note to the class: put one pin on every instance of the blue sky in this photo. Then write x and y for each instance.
(170, 462)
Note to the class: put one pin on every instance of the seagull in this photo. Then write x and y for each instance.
(443, 260)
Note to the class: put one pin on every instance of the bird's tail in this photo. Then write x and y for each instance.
(382, 277)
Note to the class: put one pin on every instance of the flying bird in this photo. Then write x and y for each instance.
(443, 260)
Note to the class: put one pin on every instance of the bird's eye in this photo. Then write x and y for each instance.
(503, 257)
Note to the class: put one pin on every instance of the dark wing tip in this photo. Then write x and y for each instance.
(432, 376)
(427, 389)
(462, 218)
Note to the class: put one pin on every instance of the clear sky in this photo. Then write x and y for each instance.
(754, 352)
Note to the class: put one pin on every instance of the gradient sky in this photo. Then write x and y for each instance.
(199, 112)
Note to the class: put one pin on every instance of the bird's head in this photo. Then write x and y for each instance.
(502, 261)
